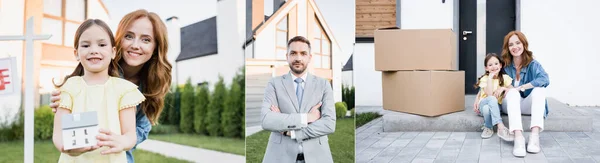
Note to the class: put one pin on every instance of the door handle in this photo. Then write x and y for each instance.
(467, 32)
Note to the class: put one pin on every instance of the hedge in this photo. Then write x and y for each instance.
(186, 123)
(200, 109)
(215, 107)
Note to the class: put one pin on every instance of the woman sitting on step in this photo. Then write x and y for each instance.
(527, 95)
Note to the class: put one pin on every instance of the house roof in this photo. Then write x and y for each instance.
(348, 66)
(199, 39)
(250, 35)
(78, 120)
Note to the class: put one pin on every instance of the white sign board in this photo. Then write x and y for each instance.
(8, 76)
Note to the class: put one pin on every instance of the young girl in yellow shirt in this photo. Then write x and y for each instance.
(95, 86)
(487, 103)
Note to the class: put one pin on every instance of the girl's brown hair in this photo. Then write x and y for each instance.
(500, 74)
(154, 87)
(113, 68)
(527, 55)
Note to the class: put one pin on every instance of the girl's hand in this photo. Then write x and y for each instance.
(476, 107)
(55, 100)
(79, 151)
(115, 142)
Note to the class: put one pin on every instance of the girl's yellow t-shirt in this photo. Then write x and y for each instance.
(107, 100)
(496, 84)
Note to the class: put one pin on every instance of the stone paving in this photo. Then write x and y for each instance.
(374, 145)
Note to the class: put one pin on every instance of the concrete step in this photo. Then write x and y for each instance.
(561, 118)
(254, 97)
(253, 116)
(255, 90)
(253, 104)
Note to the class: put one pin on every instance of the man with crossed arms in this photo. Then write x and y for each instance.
(298, 108)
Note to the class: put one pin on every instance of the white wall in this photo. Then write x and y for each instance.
(200, 69)
(96, 11)
(337, 73)
(229, 38)
(11, 23)
(347, 78)
(564, 39)
(426, 14)
(265, 43)
(174, 34)
(367, 81)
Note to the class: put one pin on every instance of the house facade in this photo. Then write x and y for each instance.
(53, 58)
(266, 47)
(480, 27)
(205, 50)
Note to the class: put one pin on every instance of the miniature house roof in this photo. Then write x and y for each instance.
(79, 120)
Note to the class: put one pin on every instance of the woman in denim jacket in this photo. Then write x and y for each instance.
(141, 42)
(527, 94)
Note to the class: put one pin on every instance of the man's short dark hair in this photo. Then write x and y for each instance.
(299, 39)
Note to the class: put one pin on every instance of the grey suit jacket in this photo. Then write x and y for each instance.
(281, 92)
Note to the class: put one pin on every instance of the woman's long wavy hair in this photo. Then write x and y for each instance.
(113, 68)
(527, 55)
(154, 86)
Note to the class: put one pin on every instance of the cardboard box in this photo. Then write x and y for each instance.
(427, 93)
(415, 49)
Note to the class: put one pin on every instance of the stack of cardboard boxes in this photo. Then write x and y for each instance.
(419, 71)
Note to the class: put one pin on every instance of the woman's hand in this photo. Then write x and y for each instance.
(55, 100)
(79, 151)
(499, 92)
(115, 142)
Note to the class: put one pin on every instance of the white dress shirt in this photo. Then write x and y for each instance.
(303, 117)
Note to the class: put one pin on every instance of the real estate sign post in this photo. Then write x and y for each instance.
(29, 37)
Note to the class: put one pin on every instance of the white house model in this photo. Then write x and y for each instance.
(79, 130)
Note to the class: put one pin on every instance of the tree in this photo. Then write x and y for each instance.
(186, 124)
(231, 118)
(174, 111)
(200, 109)
(215, 107)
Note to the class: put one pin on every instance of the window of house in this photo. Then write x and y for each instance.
(320, 46)
(61, 19)
(281, 39)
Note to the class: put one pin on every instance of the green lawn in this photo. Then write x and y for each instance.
(44, 151)
(364, 118)
(341, 143)
(228, 145)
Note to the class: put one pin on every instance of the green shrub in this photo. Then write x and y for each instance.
(43, 123)
(13, 131)
(352, 112)
(340, 109)
(241, 79)
(348, 96)
(231, 118)
(200, 109)
(164, 115)
(186, 123)
(174, 111)
(164, 129)
(215, 107)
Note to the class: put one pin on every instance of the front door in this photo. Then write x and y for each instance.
(500, 18)
(467, 56)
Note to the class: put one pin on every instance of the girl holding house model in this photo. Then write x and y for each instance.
(527, 95)
(95, 86)
(141, 45)
(488, 105)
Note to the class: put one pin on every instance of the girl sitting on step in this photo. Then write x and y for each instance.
(487, 103)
